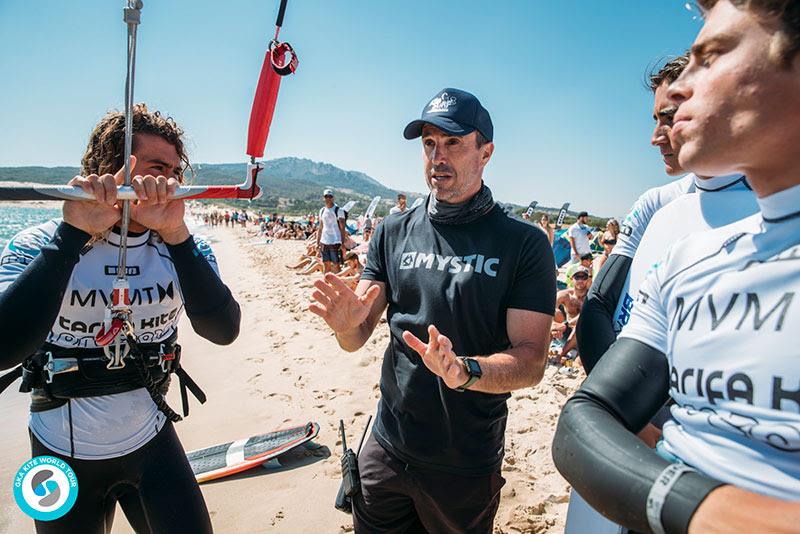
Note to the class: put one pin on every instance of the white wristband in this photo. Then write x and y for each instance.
(658, 494)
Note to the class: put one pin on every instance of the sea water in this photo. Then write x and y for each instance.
(14, 219)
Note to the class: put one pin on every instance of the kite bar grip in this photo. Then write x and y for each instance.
(124, 192)
(281, 13)
(248, 189)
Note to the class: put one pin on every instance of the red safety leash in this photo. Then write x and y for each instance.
(280, 60)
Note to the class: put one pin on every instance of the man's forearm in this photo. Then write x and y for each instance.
(516, 368)
(352, 340)
(30, 305)
(731, 509)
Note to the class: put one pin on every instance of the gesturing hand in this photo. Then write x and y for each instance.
(439, 357)
(339, 305)
(558, 329)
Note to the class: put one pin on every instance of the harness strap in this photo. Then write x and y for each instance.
(148, 382)
(185, 381)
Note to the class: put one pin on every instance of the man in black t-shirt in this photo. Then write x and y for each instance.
(470, 294)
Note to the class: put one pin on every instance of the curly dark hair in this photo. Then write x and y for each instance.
(787, 11)
(668, 73)
(105, 152)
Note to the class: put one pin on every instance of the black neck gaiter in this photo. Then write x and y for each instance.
(464, 212)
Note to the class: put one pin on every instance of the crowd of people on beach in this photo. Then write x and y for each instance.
(268, 225)
(351, 246)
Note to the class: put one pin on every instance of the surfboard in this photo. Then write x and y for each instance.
(372, 206)
(562, 213)
(417, 203)
(531, 207)
(237, 456)
(349, 206)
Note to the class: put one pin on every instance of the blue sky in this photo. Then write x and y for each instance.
(563, 81)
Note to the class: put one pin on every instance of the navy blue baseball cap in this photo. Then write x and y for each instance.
(455, 112)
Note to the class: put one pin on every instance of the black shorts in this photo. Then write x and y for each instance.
(154, 485)
(397, 497)
(332, 253)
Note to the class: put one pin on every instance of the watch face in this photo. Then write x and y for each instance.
(474, 367)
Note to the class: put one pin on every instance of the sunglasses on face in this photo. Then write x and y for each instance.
(328, 196)
(581, 277)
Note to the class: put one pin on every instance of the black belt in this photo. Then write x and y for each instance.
(56, 374)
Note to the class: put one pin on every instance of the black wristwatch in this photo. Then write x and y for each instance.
(473, 369)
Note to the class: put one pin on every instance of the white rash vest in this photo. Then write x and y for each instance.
(724, 307)
(664, 218)
(105, 426)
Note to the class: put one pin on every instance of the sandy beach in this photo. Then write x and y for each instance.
(286, 369)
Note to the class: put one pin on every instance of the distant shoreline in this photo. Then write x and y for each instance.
(52, 204)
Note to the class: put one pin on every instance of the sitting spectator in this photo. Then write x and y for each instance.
(353, 268)
(308, 230)
(569, 303)
(350, 274)
(307, 258)
(586, 261)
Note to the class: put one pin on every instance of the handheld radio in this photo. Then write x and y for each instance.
(351, 481)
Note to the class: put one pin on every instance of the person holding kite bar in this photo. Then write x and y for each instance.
(104, 415)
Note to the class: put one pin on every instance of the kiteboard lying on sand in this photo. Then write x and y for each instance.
(237, 456)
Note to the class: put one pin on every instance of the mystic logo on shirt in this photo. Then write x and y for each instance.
(477, 263)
